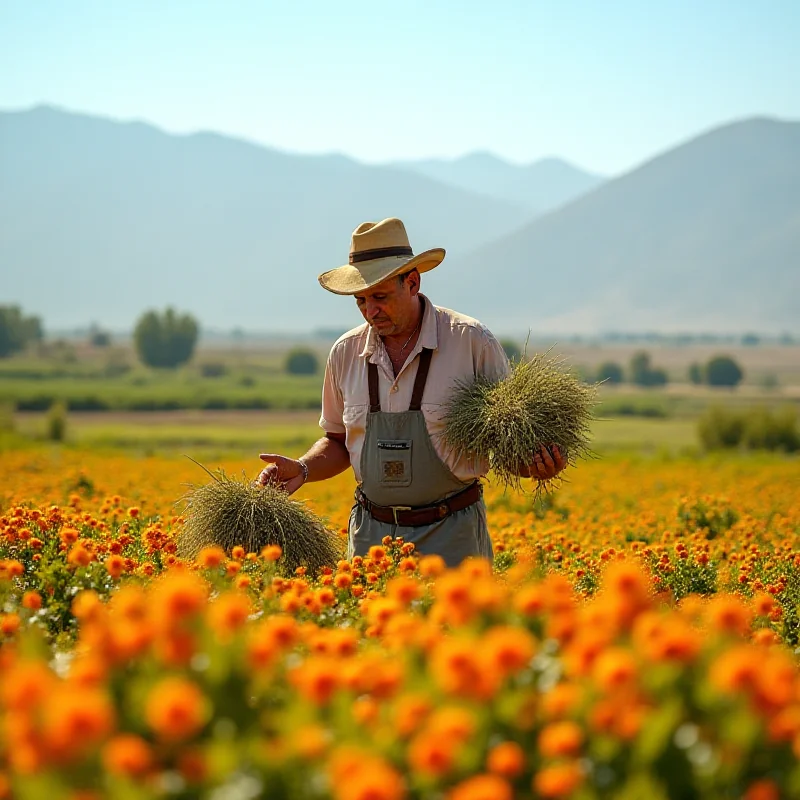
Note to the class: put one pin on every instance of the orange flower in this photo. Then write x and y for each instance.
(9, 624)
(342, 580)
(317, 678)
(506, 759)
(179, 595)
(210, 557)
(176, 709)
(558, 780)
(614, 668)
(75, 720)
(26, 685)
(32, 601)
(763, 603)
(452, 723)
(228, 613)
(736, 670)
(403, 589)
(373, 780)
(79, 556)
(508, 649)
(763, 789)
(115, 565)
(431, 566)
(272, 552)
(563, 738)
(459, 668)
(431, 754)
(728, 614)
(410, 711)
(482, 787)
(128, 755)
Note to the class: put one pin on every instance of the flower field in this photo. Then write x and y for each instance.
(637, 638)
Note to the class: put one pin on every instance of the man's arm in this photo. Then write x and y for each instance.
(325, 458)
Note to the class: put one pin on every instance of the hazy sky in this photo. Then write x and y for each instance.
(604, 84)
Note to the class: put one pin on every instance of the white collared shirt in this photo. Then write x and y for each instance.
(463, 348)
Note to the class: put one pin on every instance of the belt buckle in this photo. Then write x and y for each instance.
(395, 509)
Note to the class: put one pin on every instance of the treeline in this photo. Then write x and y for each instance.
(758, 428)
(162, 340)
(720, 370)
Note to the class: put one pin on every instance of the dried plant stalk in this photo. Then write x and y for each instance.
(506, 421)
(227, 512)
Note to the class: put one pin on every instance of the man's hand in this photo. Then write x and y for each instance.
(547, 463)
(281, 471)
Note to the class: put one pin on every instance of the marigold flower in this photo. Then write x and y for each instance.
(736, 669)
(342, 580)
(79, 556)
(192, 765)
(74, 721)
(178, 596)
(614, 668)
(431, 566)
(508, 649)
(403, 589)
(482, 787)
(210, 557)
(317, 678)
(9, 624)
(728, 614)
(558, 780)
(128, 755)
(176, 709)
(506, 759)
(409, 712)
(32, 601)
(431, 754)
(26, 685)
(563, 738)
(453, 723)
(373, 780)
(115, 565)
(764, 789)
(228, 613)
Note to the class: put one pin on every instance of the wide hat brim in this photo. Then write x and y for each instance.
(355, 278)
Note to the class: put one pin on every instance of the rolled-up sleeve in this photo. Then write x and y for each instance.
(331, 420)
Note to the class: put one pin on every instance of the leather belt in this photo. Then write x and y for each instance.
(413, 517)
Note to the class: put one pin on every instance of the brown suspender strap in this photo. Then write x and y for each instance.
(422, 376)
(372, 380)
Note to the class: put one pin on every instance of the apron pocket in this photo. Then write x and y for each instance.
(394, 462)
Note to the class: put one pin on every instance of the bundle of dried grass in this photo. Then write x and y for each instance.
(227, 512)
(507, 421)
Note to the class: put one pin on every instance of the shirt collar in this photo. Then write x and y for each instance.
(428, 333)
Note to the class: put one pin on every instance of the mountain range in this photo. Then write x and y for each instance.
(100, 220)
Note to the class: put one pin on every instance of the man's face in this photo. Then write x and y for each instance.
(391, 307)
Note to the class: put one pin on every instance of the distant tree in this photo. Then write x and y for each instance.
(165, 340)
(696, 374)
(98, 337)
(301, 361)
(17, 330)
(723, 371)
(642, 374)
(512, 350)
(610, 372)
(751, 340)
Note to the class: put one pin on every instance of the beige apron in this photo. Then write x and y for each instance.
(400, 467)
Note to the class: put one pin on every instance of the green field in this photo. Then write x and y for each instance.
(293, 432)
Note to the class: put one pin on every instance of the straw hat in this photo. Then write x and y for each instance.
(378, 250)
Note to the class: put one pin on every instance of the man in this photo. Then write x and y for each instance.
(385, 386)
